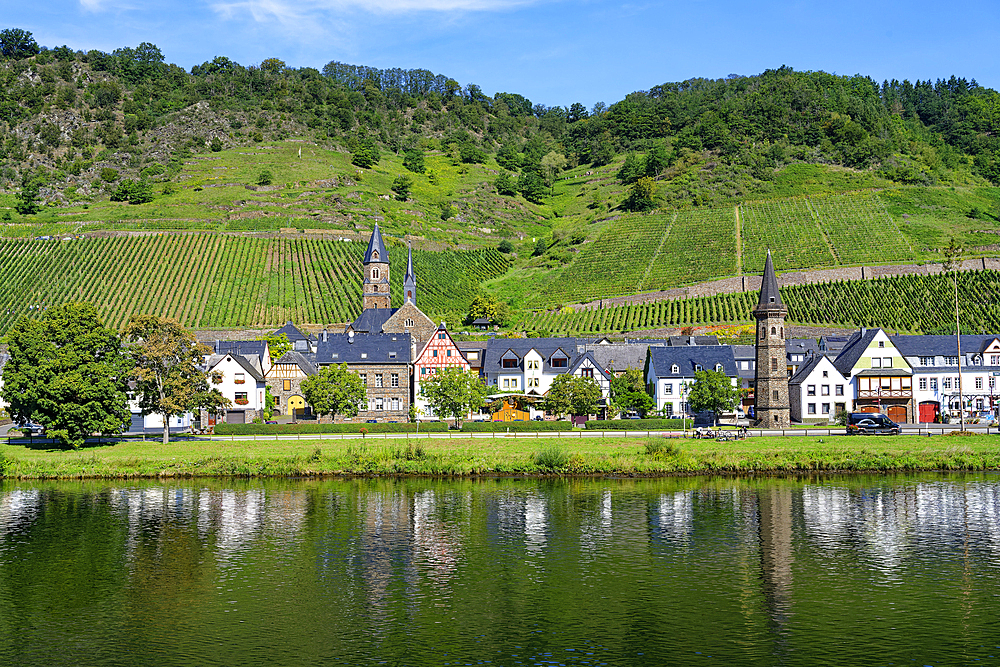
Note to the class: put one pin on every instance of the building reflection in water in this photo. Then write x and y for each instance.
(776, 560)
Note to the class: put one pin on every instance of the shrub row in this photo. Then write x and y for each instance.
(279, 429)
(498, 427)
(634, 424)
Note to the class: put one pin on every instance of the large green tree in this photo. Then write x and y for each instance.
(628, 392)
(168, 373)
(713, 391)
(16, 44)
(453, 392)
(334, 390)
(491, 308)
(68, 372)
(573, 395)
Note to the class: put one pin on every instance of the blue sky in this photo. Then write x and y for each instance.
(554, 52)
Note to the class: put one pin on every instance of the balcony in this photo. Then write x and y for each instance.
(885, 393)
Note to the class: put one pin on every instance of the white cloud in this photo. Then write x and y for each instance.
(288, 12)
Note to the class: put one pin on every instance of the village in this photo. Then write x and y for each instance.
(781, 380)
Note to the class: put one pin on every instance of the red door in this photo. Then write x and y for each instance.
(928, 411)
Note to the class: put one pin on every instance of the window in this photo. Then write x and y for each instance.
(378, 379)
(774, 363)
(825, 390)
(812, 408)
(697, 368)
(241, 396)
(408, 322)
(440, 336)
(506, 383)
(810, 390)
(826, 408)
(993, 383)
(922, 384)
(881, 343)
(509, 363)
(434, 353)
(560, 362)
(241, 378)
(513, 383)
(926, 361)
(472, 355)
(336, 355)
(718, 368)
(668, 388)
(876, 362)
(934, 385)
(774, 394)
(774, 331)
(886, 362)
(379, 403)
(744, 365)
(675, 369)
(532, 382)
(286, 385)
(395, 404)
(946, 383)
(951, 361)
(826, 374)
(394, 379)
(364, 355)
(533, 364)
(423, 370)
(979, 383)
(447, 353)
(668, 409)
(587, 372)
(995, 360)
(375, 273)
(838, 390)
(392, 355)
(364, 378)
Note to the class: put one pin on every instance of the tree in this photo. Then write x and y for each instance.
(713, 391)
(505, 184)
(67, 372)
(552, 164)
(490, 308)
(453, 392)
(642, 195)
(27, 199)
(630, 171)
(277, 346)
(413, 160)
(273, 65)
(505, 246)
(401, 186)
(628, 392)
(334, 390)
(541, 246)
(133, 191)
(265, 177)
(573, 395)
(531, 186)
(508, 157)
(216, 145)
(657, 160)
(365, 154)
(16, 44)
(168, 374)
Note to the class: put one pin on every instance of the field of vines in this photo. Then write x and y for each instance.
(788, 228)
(700, 246)
(224, 281)
(860, 229)
(901, 303)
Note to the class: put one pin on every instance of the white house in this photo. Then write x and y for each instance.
(670, 371)
(241, 366)
(817, 392)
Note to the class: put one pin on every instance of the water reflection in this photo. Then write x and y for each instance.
(433, 572)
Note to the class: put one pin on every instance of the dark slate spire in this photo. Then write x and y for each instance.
(376, 248)
(770, 297)
(410, 281)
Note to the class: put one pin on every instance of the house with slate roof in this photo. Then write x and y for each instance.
(670, 372)
(285, 382)
(242, 382)
(382, 360)
(882, 379)
(935, 364)
(438, 353)
(529, 365)
(616, 358)
(301, 342)
(818, 392)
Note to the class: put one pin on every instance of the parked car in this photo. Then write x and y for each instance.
(870, 423)
(31, 428)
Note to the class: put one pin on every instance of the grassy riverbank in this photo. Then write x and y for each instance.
(617, 456)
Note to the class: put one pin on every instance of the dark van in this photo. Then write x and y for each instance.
(870, 423)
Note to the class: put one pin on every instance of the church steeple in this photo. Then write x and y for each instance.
(410, 280)
(770, 296)
(375, 289)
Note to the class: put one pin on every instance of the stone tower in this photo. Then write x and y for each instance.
(410, 281)
(375, 291)
(771, 376)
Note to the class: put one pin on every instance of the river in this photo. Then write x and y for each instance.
(848, 570)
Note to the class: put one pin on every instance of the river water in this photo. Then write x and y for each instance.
(901, 570)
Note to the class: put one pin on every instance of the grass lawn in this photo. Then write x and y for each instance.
(501, 456)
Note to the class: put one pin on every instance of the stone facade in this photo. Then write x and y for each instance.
(771, 406)
(388, 389)
(410, 319)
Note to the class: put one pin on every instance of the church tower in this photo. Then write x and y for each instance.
(375, 292)
(410, 281)
(771, 376)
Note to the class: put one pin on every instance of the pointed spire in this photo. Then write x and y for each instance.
(376, 249)
(770, 296)
(409, 275)
(410, 280)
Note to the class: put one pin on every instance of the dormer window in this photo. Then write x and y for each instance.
(374, 254)
(675, 369)
(698, 367)
(300, 345)
(560, 362)
(772, 299)
(364, 355)
(509, 363)
(718, 368)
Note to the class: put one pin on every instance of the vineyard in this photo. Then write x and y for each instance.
(223, 281)
(901, 303)
(641, 253)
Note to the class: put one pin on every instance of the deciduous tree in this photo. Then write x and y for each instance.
(628, 392)
(168, 374)
(334, 390)
(573, 395)
(453, 392)
(67, 372)
(16, 44)
(713, 391)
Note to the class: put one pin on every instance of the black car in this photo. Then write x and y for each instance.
(870, 423)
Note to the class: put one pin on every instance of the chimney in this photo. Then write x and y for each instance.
(218, 345)
(691, 339)
(326, 335)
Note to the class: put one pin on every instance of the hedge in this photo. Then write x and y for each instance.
(280, 429)
(634, 424)
(502, 427)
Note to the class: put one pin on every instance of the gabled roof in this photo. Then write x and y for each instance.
(676, 341)
(249, 348)
(299, 360)
(685, 358)
(940, 346)
(590, 356)
(855, 348)
(618, 356)
(293, 334)
(216, 359)
(375, 244)
(811, 364)
(770, 296)
(371, 320)
(363, 349)
(496, 348)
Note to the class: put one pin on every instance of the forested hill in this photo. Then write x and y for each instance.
(63, 111)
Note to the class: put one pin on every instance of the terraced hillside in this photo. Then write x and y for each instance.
(223, 281)
(639, 253)
(901, 303)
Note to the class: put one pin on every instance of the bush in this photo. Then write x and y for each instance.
(503, 427)
(506, 247)
(109, 175)
(661, 449)
(282, 429)
(552, 457)
(634, 424)
(265, 178)
(133, 191)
